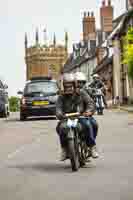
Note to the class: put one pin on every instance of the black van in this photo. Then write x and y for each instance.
(4, 103)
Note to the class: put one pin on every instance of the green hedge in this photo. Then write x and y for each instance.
(14, 104)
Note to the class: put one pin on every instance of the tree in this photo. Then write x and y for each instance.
(128, 51)
(14, 104)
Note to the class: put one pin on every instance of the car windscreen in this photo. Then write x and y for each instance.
(41, 87)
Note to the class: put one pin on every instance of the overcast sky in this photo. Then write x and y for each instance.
(20, 16)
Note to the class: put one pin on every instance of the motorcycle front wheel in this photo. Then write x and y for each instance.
(73, 154)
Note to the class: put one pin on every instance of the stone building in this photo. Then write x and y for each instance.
(111, 67)
(105, 70)
(123, 87)
(83, 57)
(45, 60)
(88, 53)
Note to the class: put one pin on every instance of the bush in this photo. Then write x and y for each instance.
(130, 69)
(14, 104)
(128, 52)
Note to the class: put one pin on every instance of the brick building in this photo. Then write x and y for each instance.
(89, 27)
(45, 60)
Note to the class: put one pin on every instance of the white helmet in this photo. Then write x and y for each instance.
(68, 77)
(95, 76)
(68, 83)
(79, 76)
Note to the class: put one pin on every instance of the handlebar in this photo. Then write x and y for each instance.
(72, 114)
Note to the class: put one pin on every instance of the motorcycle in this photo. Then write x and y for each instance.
(99, 101)
(97, 95)
(77, 150)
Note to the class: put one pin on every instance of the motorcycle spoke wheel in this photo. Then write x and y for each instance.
(82, 155)
(73, 154)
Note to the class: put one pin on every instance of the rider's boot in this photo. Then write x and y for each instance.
(94, 152)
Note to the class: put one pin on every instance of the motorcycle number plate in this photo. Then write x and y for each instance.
(72, 123)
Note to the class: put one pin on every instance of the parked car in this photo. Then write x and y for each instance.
(38, 98)
(4, 102)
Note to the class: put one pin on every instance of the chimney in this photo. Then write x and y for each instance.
(109, 2)
(54, 40)
(103, 3)
(26, 41)
(106, 15)
(37, 37)
(129, 4)
(84, 14)
(89, 29)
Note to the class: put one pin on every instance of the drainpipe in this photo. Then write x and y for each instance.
(116, 71)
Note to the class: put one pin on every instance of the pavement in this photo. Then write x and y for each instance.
(127, 108)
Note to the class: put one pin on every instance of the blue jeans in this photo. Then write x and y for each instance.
(90, 127)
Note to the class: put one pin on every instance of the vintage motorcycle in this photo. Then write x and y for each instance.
(99, 101)
(97, 95)
(78, 151)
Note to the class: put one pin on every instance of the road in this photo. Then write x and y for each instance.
(30, 167)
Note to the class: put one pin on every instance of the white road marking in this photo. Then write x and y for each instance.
(21, 149)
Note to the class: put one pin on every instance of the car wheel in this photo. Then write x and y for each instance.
(7, 112)
(22, 117)
(4, 113)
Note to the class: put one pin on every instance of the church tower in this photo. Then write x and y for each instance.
(43, 59)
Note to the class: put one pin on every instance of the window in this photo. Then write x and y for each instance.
(40, 86)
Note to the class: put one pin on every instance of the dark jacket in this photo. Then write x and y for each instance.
(90, 88)
(97, 84)
(81, 102)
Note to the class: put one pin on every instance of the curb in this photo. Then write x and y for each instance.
(126, 109)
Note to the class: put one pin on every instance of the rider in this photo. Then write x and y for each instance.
(70, 101)
(82, 83)
(98, 84)
(80, 79)
(89, 123)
